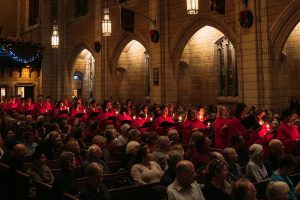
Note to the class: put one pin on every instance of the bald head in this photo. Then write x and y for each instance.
(19, 150)
(185, 173)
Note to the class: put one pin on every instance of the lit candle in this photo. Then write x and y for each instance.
(268, 127)
(208, 124)
(180, 118)
(84, 111)
(134, 117)
(151, 119)
(146, 115)
(117, 112)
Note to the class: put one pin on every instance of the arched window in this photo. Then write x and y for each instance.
(226, 63)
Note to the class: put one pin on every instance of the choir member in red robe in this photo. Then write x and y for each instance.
(222, 123)
(107, 115)
(236, 127)
(142, 118)
(190, 125)
(77, 112)
(22, 106)
(29, 106)
(124, 117)
(13, 105)
(288, 133)
(93, 111)
(61, 112)
(164, 117)
(130, 107)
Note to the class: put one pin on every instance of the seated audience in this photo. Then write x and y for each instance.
(132, 148)
(100, 141)
(286, 168)
(145, 170)
(276, 149)
(39, 172)
(73, 146)
(65, 180)
(231, 157)
(170, 174)
(161, 151)
(216, 186)
(94, 154)
(16, 158)
(256, 170)
(185, 186)
(201, 156)
(94, 189)
(243, 189)
(122, 138)
(277, 190)
(29, 142)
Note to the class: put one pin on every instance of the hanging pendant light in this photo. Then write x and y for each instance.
(55, 37)
(106, 23)
(192, 7)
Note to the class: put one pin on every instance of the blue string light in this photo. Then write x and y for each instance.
(12, 55)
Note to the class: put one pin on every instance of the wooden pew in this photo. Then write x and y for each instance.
(132, 192)
(5, 181)
(116, 156)
(69, 197)
(114, 166)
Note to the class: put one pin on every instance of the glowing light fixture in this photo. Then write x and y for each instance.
(55, 37)
(106, 23)
(192, 7)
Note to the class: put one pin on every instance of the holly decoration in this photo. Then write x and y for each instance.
(154, 35)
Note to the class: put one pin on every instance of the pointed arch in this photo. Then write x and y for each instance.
(76, 50)
(283, 27)
(120, 44)
(190, 27)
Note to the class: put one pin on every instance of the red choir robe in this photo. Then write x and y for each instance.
(187, 129)
(139, 123)
(121, 117)
(106, 118)
(289, 135)
(222, 135)
(161, 130)
(29, 108)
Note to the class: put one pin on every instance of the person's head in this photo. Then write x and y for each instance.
(179, 148)
(218, 169)
(73, 146)
(29, 137)
(77, 133)
(194, 138)
(19, 151)
(162, 144)
(277, 190)
(237, 142)
(53, 136)
(107, 105)
(243, 189)
(165, 110)
(185, 173)
(201, 111)
(287, 165)
(173, 136)
(222, 112)
(67, 161)
(94, 153)
(11, 134)
(134, 135)
(132, 148)
(124, 129)
(216, 155)
(203, 144)
(99, 140)
(173, 159)
(94, 174)
(230, 155)
(192, 114)
(143, 154)
(256, 151)
(276, 147)
(110, 134)
(240, 110)
(38, 158)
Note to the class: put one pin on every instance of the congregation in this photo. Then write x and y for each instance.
(171, 151)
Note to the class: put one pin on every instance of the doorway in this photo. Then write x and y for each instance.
(25, 91)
